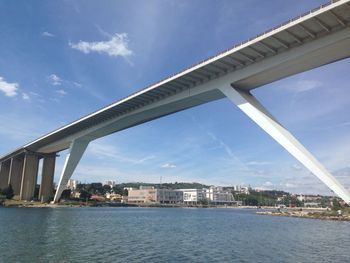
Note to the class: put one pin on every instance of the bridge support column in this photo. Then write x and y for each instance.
(29, 176)
(48, 171)
(16, 171)
(252, 107)
(76, 151)
(4, 174)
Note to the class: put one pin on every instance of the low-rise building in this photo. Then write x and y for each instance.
(137, 196)
(114, 197)
(312, 204)
(151, 195)
(216, 195)
(169, 196)
(193, 196)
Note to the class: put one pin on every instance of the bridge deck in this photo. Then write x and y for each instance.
(316, 24)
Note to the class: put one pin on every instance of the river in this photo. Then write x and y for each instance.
(167, 235)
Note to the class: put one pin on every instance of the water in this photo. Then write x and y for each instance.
(167, 235)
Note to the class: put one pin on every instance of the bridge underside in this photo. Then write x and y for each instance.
(320, 38)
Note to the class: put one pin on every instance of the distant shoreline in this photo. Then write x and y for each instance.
(24, 204)
(309, 213)
(322, 215)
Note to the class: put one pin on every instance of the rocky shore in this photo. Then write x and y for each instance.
(323, 215)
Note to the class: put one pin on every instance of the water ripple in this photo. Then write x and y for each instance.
(166, 235)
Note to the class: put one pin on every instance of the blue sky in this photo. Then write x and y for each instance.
(60, 60)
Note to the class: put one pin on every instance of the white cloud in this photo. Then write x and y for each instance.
(107, 151)
(55, 80)
(116, 46)
(267, 184)
(229, 152)
(168, 165)
(25, 96)
(61, 92)
(258, 163)
(297, 167)
(10, 89)
(77, 84)
(34, 94)
(47, 34)
(305, 85)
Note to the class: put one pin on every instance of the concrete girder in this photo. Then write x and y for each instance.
(76, 151)
(29, 176)
(4, 174)
(47, 175)
(313, 54)
(16, 171)
(252, 107)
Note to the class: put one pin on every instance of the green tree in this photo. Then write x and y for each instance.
(8, 192)
(336, 205)
(84, 195)
(204, 201)
(107, 188)
(118, 189)
(125, 192)
(66, 194)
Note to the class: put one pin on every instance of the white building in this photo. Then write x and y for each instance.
(237, 188)
(193, 196)
(72, 184)
(110, 183)
(216, 195)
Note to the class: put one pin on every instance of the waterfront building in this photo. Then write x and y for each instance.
(114, 197)
(193, 196)
(169, 196)
(216, 195)
(137, 196)
(151, 195)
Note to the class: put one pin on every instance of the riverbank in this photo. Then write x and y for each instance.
(35, 204)
(311, 214)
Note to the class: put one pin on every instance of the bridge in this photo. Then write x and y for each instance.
(317, 38)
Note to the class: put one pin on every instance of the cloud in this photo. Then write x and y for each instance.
(25, 96)
(305, 85)
(103, 150)
(168, 165)
(47, 34)
(258, 163)
(297, 167)
(229, 152)
(77, 84)
(267, 184)
(55, 80)
(61, 92)
(10, 89)
(116, 46)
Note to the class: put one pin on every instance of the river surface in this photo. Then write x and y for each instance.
(167, 235)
